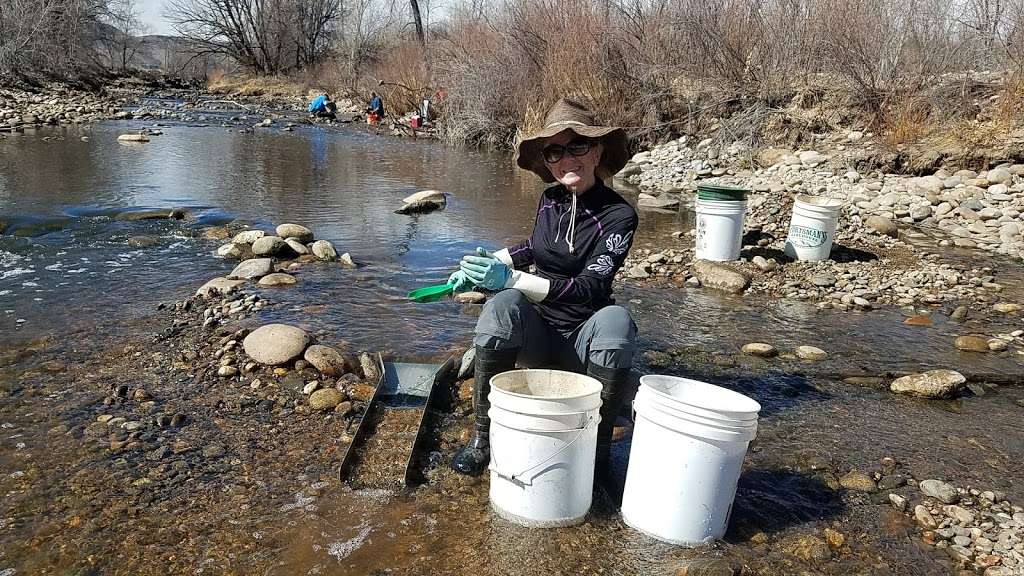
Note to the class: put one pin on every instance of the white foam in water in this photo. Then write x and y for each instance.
(55, 267)
(15, 272)
(341, 550)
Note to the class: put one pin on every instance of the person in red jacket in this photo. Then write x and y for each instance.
(562, 312)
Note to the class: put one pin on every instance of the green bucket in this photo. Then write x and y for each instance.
(721, 193)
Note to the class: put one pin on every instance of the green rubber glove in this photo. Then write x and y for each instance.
(461, 281)
(485, 270)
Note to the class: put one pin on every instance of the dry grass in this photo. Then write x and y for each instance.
(267, 86)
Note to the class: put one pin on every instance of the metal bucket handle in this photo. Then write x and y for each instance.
(515, 478)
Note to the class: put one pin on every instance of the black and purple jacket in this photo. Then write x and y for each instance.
(577, 253)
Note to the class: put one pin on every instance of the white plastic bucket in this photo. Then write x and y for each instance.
(812, 228)
(543, 441)
(720, 229)
(683, 468)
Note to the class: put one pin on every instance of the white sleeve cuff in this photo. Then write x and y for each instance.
(533, 287)
(505, 257)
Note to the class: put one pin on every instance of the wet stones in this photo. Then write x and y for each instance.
(324, 250)
(232, 250)
(759, 349)
(327, 360)
(269, 246)
(253, 269)
(939, 490)
(277, 279)
(300, 233)
(248, 236)
(326, 399)
(275, 344)
(858, 482)
(720, 277)
(972, 343)
(810, 353)
(807, 548)
(930, 384)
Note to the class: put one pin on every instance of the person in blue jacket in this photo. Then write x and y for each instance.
(323, 107)
(376, 105)
(562, 312)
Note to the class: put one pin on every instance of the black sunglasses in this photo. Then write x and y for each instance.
(577, 147)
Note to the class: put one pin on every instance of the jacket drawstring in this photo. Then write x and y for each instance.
(570, 233)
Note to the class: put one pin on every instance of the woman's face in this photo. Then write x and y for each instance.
(574, 172)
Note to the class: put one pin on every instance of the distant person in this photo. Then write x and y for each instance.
(323, 107)
(376, 105)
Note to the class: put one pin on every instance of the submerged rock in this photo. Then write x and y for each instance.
(858, 482)
(760, 349)
(972, 343)
(930, 384)
(275, 344)
(810, 353)
(720, 277)
(277, 279)
(300, 233)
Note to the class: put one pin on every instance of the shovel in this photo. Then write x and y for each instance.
(431, 293)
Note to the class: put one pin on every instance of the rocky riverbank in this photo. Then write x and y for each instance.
(894, 231)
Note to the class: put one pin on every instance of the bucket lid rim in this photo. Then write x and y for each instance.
(738, 422)
(723, 435)
(590, 379)
(819, 201)
(753, 406)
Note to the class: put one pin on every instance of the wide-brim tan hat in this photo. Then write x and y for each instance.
(570, 115)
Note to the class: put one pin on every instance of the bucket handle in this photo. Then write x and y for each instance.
(515, 477)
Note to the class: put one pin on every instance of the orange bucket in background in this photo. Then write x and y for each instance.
(415, 122)
(371, 118)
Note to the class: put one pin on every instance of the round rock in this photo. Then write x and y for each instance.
(275, 343)
(252, 269)
(759, 349)
(326, 399)
(882, 225)
(327, 360)
(939, 490)
(810, 353)
(269, 246)
(300, 233)
(324, 250)
(277, 279)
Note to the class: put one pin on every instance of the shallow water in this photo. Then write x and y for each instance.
(67, 267)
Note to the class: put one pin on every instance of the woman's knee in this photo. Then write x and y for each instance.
(614, 324)
(501, 317)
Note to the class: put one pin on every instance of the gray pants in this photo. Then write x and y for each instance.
(509, 320)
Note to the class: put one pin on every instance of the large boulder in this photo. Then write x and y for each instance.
(253, 269)
(300, 233)
(275, 344)
(930, 384)
(425, 201)
(221, 285)
(327, 360)
(324, 250)
(269, 246)
(248, 236)
(720, 277)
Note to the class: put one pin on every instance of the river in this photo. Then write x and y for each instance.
(81, 279)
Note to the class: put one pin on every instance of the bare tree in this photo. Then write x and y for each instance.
(265, 36)
(56, 36)
(123, 39)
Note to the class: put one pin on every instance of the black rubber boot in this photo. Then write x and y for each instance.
(613, 390)
(473, 459)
